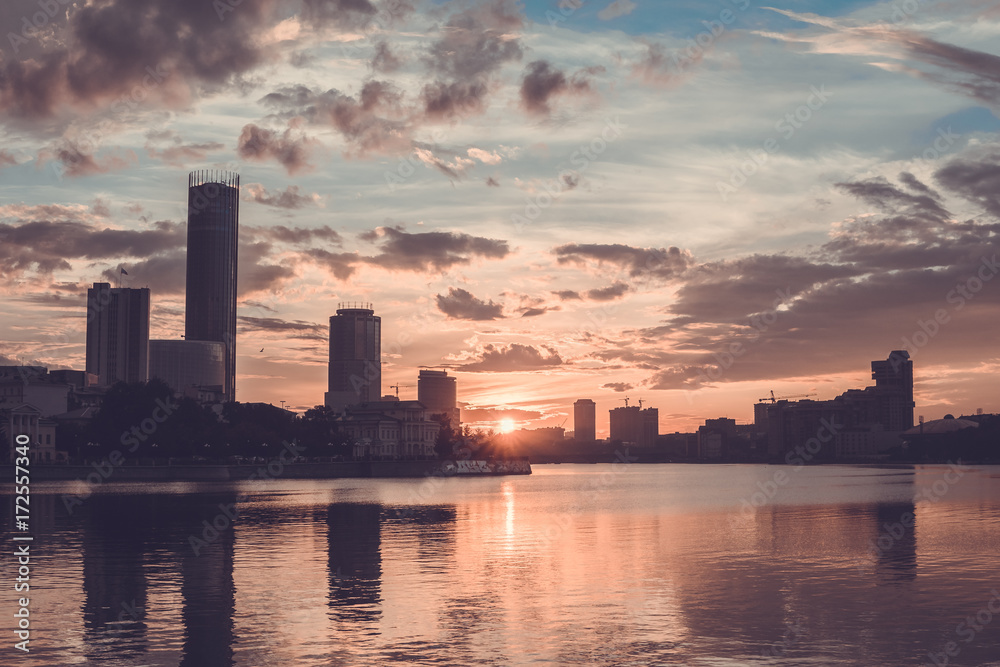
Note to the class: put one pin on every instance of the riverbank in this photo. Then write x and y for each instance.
(207, 472)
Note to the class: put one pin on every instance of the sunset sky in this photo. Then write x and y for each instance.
(588, 200)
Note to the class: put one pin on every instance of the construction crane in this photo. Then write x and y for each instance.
(774, 399)
(640, 404)
(397, 386)
(626, 401)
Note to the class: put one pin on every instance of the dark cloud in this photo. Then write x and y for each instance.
(478, 40)
(341, 13)
(109, 49)
(975, 177)
(910, 181)
(617, 386)
(289, 198)
(687, 377)
(259, 305)
(99, 208)
(973, 73)
(302, 59)
(385, 60)
(256, 143)
(664, 263)
(294, 235)
(446, 101)
(433, 251)
(376, 121)
(887, 197)
(474, 42)
(256, 273)
(492, 182)
(609, 293)
(513, 357)
(542, 82)
(568, 295)
(460, 304)
(47, 245)
(873, 287)
(535, 311)
(730, 291)
(296, 329)
(341, 264)
(75, 162)
(164, 274)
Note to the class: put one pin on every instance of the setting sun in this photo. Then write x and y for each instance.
(506, 425)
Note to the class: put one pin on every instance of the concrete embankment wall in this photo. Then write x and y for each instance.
(222, 473)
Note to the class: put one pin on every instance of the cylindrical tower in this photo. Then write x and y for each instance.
(355, 373)
(212, 251)
(585, 420)
(438, 392)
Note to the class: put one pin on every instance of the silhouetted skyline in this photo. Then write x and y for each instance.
(694, 205)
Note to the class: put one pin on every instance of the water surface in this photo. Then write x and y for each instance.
(573, 565)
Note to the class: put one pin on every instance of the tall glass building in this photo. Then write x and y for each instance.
(585, 420)
(438, 392)
(117, 334)
(212, 249)
(188, 363)
(355, 373)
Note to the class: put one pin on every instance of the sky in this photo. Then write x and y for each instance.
(689, 203)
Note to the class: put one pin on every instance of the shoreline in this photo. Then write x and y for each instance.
(222, 472)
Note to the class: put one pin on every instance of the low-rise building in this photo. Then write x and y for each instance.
(26, 420)
(390, 429)
(35, 386)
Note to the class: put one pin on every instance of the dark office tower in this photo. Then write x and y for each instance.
(634, 425)
(212, 244)
(585, 420)
(355, 374)
(894, 391)
(117, 334)
(438, 392)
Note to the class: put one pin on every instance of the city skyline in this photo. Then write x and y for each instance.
(699, 207)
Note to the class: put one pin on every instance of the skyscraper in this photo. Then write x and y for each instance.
(212, 249)
(355, 372)
(585, 420)
(438, 392)
(117, 334)
(894, 385)
(634, 425)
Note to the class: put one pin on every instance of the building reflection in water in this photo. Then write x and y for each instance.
(207, 587)
(355, 561)
(122, 537)
(114, 580)
(893, 548)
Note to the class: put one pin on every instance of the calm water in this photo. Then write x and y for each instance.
(574, 565)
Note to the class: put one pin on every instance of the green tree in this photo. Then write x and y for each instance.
(448, 438)
(129, 418)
